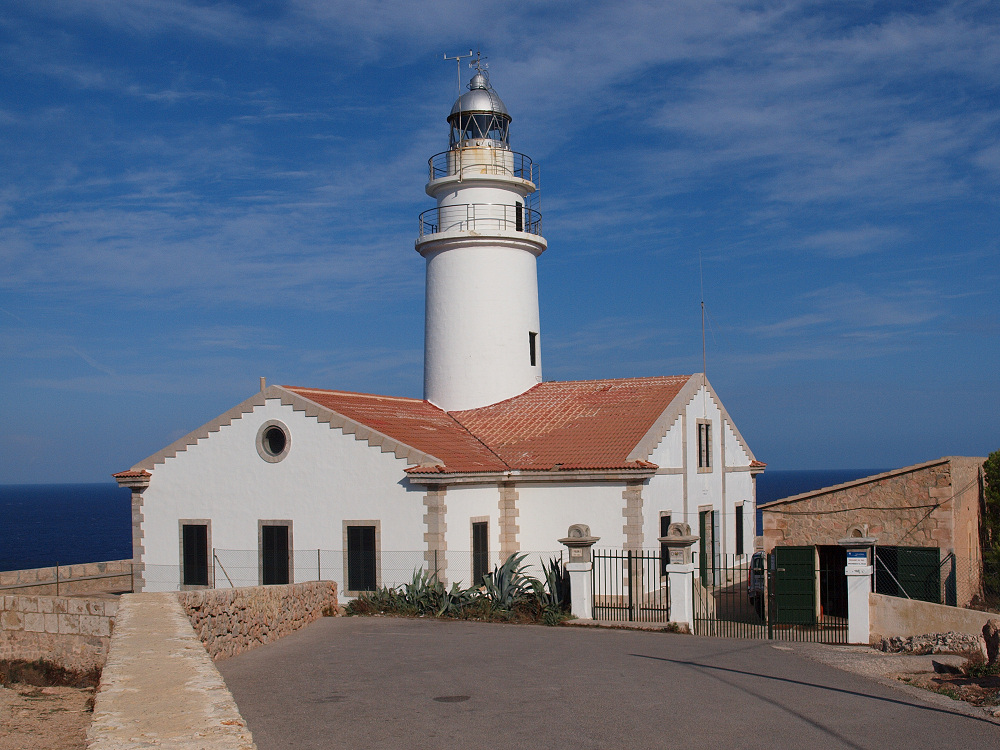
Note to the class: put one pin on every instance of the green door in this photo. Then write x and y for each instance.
(917, 571)
(795, 585)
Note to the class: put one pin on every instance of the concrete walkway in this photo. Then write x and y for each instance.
(159, 688)
(399, 683)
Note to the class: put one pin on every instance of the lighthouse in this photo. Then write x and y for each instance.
(482, 340)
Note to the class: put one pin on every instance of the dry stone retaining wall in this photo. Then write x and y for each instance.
(83, 578)
(230, 621)
(68, 632)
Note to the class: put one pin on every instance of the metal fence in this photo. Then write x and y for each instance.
(930, 575)
(630, 586)
(776, 598)
(233, 568)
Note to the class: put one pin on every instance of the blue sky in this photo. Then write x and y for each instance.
(195, 194)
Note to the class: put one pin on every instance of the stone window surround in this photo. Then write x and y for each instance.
(181, 523)
(273, 458)
(378, 551)
(710, 467)
(261, 523)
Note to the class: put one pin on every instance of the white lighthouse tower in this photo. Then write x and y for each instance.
(482, 338)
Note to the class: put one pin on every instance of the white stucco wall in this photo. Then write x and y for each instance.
(547, 510)
(326, 478)
(465, 502)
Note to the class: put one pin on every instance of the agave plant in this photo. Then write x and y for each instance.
(423, 593)
(508, 585)
(554, 592)
(455, 599)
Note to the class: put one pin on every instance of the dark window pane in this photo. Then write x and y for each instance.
(480, 551)
(195, 545)
(274, 555)
(361, 570)
(739, 529)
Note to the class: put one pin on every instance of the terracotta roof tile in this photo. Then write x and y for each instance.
(583, 424)
(413, 422)
(131, 473)
(574, 425)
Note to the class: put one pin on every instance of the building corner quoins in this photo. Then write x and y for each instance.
(632, 513)
(509, 513)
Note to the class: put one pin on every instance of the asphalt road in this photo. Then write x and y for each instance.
(398, 683)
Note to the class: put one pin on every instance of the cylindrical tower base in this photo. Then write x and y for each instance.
(481, 327)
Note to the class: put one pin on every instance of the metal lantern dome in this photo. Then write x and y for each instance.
(479, 118)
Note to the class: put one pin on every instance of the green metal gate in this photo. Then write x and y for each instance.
(776, 598)
(794, 585)
(630, 586)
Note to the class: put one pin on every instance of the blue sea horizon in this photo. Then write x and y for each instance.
(46, 524)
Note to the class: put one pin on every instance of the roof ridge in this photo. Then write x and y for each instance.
(479, 440)
(301, 388)
(616, 380)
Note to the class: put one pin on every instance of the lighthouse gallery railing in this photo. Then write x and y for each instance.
(478, 161)
(480, 217)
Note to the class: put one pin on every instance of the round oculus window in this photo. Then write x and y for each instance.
(273, 441)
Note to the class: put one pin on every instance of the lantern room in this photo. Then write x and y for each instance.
(479, 119)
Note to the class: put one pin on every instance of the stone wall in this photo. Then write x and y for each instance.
(230, 621)
(897, 508)
(891, 616)
(83, 578)
(934, 504)
(69, 632)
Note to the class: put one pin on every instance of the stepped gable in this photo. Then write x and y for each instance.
(413, 422)
(574, 425)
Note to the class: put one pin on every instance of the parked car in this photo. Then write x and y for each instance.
(755, 582)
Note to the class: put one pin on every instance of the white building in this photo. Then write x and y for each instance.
(297, 483)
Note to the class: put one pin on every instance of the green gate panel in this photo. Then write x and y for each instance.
(795, 585)
(919, 572)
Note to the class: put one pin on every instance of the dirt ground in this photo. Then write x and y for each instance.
(44, 718)
(979, 691)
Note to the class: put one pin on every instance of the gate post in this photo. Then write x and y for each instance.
(680, 572)
(859, 586)
(580, 567)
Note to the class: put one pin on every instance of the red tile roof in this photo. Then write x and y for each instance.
(587, 424)
(131, 473)
(583, 424)
(416, 423)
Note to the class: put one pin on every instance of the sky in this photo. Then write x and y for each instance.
(195, 194)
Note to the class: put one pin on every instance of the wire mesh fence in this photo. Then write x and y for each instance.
(932, 575)
(234, 568)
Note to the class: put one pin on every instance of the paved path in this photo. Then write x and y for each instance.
(397, 683)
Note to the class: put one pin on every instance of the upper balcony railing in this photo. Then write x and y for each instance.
(483, 218)
(478, 161)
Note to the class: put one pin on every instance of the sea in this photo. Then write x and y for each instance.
(49, 524)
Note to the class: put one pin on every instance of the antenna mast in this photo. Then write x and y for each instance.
(458, 69)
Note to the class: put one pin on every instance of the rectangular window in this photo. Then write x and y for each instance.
(362, 574)
(704, 445)
(739, 529)
(664, 550)
(480, 551)
(519, 216)
(274, 549)
(532, 348)
(194, 545)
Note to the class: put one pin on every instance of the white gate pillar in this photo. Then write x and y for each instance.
(680, 573)
(580, 567)
(859, 586)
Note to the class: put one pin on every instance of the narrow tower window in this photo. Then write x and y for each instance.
(533, 348)
(519, 216)
(704, 445)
